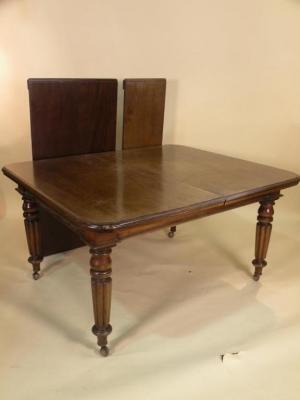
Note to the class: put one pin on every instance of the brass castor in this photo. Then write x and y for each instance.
(256, 277)
(104, 351)
(257, 273)
(36, 276)
(258, 270)
(171, 232)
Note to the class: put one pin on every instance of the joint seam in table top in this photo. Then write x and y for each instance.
(133, 220)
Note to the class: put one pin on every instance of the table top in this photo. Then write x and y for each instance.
(122, 187)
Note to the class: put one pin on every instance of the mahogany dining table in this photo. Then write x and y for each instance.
(108, 197)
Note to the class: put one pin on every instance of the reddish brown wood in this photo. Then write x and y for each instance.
(69, 116)
(211, 208)
(31, 222)
(263, 234)
(108, 197)
(101, 291)
(153, 185)
(143, 118)
(57, 237)
(72, 116)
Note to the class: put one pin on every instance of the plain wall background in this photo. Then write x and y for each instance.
(233, 70)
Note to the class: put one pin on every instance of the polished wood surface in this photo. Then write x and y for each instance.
(108, 197)
(57, 237)
(31, 214)
(101, 281)
(72, 116)
(109, 189)
(263, 234)
(69, 116)
(143, 115)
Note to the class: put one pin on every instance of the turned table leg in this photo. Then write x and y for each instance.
(263, 234)
(31, 221)
(101, 291)
(172, 231)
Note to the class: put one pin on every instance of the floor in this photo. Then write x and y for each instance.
(187, 318)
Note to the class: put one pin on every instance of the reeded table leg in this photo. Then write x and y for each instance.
(172, 231)
(101, 291)
(31, 221)
(263, 234)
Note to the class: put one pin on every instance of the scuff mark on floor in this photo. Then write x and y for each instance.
(222, 356)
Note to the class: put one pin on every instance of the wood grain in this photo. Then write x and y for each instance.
(32, 228)
(143, 118)
(101, 281)
(123, 188)
(108, 197)
(69, 116)
(263, 234)
(72, 116)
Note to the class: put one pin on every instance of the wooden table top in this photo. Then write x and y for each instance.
(113, 188)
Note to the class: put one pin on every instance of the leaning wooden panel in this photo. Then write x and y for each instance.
(72, 116)
(144, 106)
(69, 116)
(55, 236)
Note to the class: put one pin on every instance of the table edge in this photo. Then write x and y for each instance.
(221, 201)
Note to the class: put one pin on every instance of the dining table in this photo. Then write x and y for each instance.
(108, 197)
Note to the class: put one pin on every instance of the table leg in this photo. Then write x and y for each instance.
(101, 291)
(263, 234)
(172, 231)
(31, 221)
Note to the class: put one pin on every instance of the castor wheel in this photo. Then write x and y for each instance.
(258, 270)
(104, 351)
(171, 232)
(257, 273)
(36, 276)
